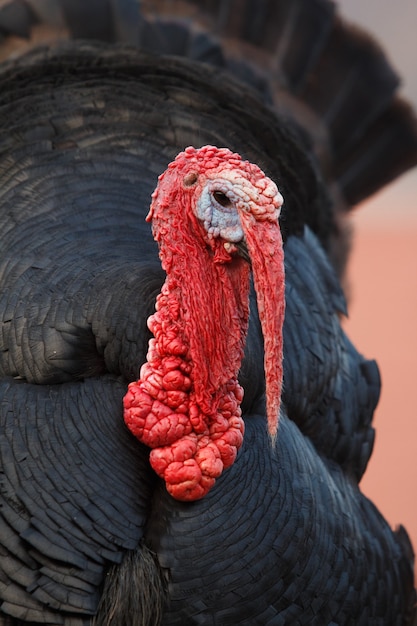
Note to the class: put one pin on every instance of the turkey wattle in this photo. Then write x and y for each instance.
(186, 404)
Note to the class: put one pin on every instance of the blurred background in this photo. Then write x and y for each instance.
(383, 286)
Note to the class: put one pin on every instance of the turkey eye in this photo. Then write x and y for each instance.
(190, 179)
(222, 199)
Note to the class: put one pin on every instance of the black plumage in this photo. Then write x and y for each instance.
(285, 537)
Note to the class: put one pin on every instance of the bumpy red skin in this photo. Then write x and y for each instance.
(193, 441)
(186, 404)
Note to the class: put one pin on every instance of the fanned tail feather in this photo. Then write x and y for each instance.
(25, 23)
(301, 58)
(332, 77)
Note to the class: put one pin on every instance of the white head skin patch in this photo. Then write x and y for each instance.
(222, 199)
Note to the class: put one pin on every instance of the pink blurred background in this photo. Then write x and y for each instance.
(383, 287)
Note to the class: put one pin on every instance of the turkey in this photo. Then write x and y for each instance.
(183, 428)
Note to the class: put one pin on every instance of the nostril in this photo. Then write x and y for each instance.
(190, 179)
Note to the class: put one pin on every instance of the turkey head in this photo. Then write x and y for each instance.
(211, 213)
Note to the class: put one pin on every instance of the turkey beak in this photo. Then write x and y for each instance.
(264, 245)
(242, 251)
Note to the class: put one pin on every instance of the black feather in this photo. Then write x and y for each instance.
(88, 534)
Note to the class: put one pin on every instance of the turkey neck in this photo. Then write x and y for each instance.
(210, 299)
(186, 405)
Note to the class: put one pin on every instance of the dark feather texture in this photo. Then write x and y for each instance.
(86, 528)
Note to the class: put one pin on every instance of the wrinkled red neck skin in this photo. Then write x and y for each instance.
(212, 290)
(186, 405)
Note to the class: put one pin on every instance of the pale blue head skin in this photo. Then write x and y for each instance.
(220, 220)
(224, 197)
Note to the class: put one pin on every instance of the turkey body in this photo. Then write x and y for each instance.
(285, 536)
